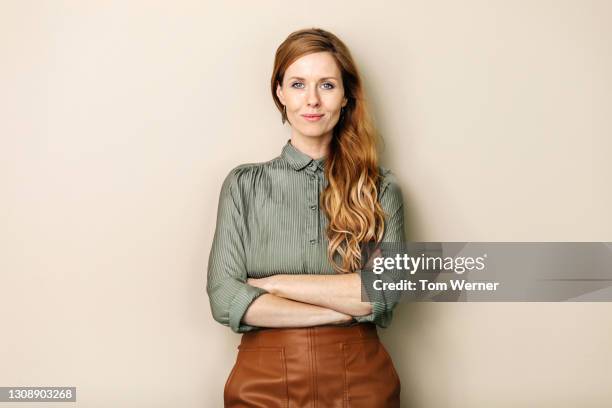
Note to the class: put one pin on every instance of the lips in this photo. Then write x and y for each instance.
(312, 117)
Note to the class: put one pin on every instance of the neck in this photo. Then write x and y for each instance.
(314, 147)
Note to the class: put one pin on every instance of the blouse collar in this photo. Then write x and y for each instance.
(299, 160)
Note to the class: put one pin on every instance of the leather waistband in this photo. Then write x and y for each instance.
(306, 336)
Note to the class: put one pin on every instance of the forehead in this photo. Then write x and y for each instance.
(316, 65)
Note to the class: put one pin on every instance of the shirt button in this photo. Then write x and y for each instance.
(313, 207)
(313, 241)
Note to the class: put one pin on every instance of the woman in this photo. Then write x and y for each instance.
(285, 260)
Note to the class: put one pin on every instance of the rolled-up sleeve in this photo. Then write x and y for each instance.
(229, 294)
(392, 204)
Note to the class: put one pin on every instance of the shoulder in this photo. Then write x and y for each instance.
(249, 175)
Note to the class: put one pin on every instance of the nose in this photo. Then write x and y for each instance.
(313, 96)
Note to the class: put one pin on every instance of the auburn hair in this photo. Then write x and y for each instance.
(350, 200)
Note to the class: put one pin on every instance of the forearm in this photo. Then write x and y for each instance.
(340, 292)
(272, 311)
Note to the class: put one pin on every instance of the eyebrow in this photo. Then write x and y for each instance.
(322, 79)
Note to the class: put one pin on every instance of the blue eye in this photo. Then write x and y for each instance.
(331, 86)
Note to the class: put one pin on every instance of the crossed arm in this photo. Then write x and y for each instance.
(286, 300)
(306, 300)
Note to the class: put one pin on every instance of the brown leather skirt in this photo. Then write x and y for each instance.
(323, 366)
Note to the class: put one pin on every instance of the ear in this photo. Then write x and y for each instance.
(279, 93)
(344, 102)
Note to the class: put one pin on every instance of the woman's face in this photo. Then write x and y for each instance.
(312, 85)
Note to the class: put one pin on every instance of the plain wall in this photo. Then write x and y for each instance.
(120, 120)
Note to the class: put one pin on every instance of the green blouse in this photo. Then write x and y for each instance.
(269, 222)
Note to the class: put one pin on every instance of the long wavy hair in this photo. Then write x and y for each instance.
(350, 200)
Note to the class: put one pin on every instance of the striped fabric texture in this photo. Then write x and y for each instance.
(269, 222)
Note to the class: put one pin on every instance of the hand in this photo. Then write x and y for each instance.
(262, 283)
(370, 262)
(342, 318)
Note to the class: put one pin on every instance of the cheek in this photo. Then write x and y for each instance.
(294, 106)
(333, 103)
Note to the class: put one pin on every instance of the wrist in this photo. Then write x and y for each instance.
(271, 284)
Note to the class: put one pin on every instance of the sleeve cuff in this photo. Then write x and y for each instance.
(380, 316)
(239, 306)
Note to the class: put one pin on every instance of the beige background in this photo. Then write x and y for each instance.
(120, 120)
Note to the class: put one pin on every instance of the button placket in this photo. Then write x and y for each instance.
(313, 200)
